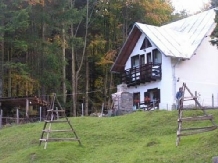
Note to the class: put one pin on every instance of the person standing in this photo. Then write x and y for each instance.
(179, 96)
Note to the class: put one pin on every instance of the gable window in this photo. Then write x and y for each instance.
(146, 44)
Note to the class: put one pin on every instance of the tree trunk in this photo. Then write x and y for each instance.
(109, 92)
(42, 60)
(86, 58)
(9, 82)
(87, 88)
(64, 65)
(2, 60)
(75, 73)
(105, 85)
(74, 77)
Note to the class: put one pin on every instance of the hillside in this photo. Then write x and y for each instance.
(134, 138)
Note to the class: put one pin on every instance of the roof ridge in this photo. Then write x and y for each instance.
(180, 38)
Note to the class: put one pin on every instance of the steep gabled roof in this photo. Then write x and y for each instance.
(168, 41)
(126, 50)
(194, 29)
(179, 39)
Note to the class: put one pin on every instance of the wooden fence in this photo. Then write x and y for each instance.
(17, 119)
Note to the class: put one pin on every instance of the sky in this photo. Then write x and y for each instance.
(191, 6)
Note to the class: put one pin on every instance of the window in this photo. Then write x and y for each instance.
(142, 59)
(152, 97)
(156, 56)
(146, 44)
(149, 59)
(154, 94)
(135, 61)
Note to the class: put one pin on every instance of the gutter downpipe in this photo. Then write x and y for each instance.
(174, 78)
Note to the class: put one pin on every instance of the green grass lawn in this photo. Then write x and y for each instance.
(140, 137)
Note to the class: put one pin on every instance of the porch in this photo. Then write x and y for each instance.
(141, 74)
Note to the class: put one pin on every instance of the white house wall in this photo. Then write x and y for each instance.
(165, 85)
(200, 73)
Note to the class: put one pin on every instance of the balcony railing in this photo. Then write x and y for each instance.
(142, 74)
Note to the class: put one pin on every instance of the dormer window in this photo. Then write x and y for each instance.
(146, 44)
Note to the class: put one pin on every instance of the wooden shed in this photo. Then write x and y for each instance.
(7, 104)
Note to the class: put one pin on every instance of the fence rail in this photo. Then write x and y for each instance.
(12, 120)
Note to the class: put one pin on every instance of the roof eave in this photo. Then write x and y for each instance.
(126, 50)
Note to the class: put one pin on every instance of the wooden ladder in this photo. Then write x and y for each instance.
(190, 131)
(52, 117)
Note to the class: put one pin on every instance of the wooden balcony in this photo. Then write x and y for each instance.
(142, 74)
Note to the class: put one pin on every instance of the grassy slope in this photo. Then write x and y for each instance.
(134, 138)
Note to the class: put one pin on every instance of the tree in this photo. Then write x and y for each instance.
(214, 41)
(214, 3)
(111, 23)
(52, 46)
(15, 74)
(44, 47)
(179, 15)
(3, 9)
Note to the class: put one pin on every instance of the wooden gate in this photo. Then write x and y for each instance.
(181, 119)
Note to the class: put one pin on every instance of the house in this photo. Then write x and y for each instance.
(155, 61)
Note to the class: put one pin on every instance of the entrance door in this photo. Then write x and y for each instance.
(136, 100)
(154, 95)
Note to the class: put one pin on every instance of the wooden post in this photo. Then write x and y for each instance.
(27, 108)
(195, 101)
(179, 126)
(1, 115)
(102, 109)
(212, 101)
(57, 113)
(82, 109)
(40, 113)
(17, 111)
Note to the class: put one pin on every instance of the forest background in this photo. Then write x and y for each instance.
(67, 47)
